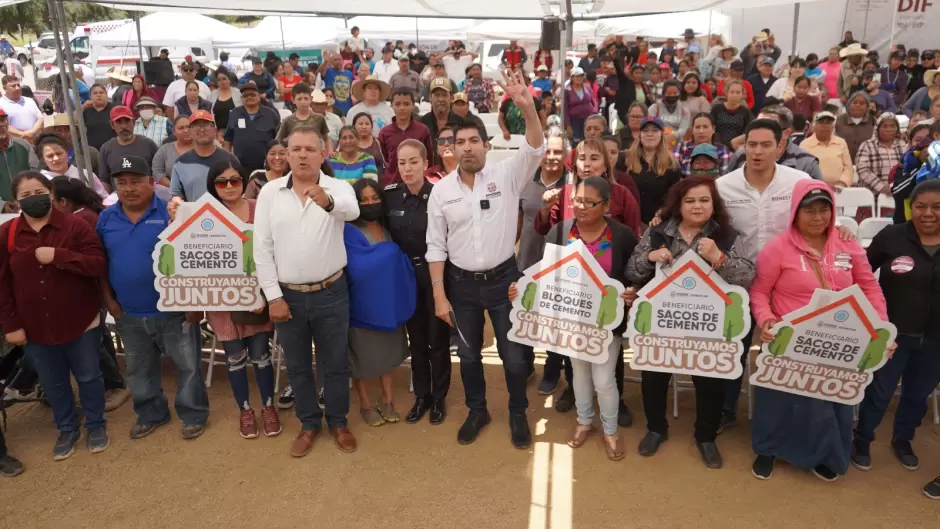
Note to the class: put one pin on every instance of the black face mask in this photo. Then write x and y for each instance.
(36, 206)
(811, 66)
(671, 100)
(370, 212)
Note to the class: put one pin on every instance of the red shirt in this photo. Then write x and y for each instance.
(55, 303)
(623, 207)
(391, 136)
(748, 92)
(289, 85)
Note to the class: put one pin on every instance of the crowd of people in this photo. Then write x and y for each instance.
(382, 232)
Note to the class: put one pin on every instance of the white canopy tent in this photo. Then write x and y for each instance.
(526, 30)
(298, 33)
(169, 29)
(667, 25)
(409, 29)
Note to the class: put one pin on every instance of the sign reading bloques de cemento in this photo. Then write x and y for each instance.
(204, 261)
(689, 320)
(567, 304)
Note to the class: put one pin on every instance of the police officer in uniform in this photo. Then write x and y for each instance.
(429, 336)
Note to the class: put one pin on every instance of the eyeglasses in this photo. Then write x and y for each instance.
(578, 201)
(201, 125)
(444, 140)
(222, 183)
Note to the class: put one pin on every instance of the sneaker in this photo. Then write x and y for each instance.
(65, 445)
(861, 456)
(763, 467)
(321, 401)
(115, 398)
(728, 420)
(905, 454)
(548, 385)
(11, 467)
(272, 423)
(825, 473)
(98, 440)
(931, 490)
(143, 429)
(286, 400)
(566, 401)
(192, 431)
(247, 424)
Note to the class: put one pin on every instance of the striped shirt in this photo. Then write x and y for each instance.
(363, 167)
(158, 130)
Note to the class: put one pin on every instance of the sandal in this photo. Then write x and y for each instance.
(372, 417)
(387, 409)
(613, 444)
(580, 435)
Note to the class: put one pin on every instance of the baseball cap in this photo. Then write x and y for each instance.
(318, 96)
(651, 120)
(146, 100)
(898, 55)
(577, 70)
(3, 113)
(440, 82)
(670, 51)
(926, 55)
(187, 66)
(825, 114)
(681, 45)
(202, 115)
(664, 66)
(767, 60)
(737, 64)
(249, 85)
(404, 57)
(705, 149)
(460, 96)
(542, 68)
(120, 112)
(131, 165)
(256, 60)
(816, 195)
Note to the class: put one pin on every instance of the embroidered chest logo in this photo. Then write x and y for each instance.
(491, 191)
(843, 261)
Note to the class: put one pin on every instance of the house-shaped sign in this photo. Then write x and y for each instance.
(689, 320)
(567, 304)
(204, 261)
(827, 349)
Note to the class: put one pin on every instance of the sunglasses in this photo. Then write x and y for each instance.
(444, 140)
(222, 183)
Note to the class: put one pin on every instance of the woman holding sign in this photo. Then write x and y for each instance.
(694, 218)
(809, 433)
(612, 244)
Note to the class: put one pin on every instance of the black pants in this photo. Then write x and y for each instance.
(3, 445)
(429, 338)
(108, 362)
(709, 398)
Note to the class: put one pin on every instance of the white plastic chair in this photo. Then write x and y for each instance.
(869, 228)
(851, 198)
(849, 223)
(885, 202)
(424, 107)
(489, 117)
(493, 130)
(612, 118)
(516, 141)
(498, 156)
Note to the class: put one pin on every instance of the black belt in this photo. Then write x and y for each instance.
(483, 275)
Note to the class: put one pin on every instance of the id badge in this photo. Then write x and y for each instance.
(241, 123)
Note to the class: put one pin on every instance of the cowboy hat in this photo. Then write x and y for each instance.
(852, 49)
(359, 88)
(928, 77)
(119, 74)
(734, 51)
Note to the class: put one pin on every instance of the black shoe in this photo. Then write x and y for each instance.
(65, 444)
(566, 401)
(438, 411)
(471, 427)
(763, 467)
(825, 473)
(421, 406)
(931, 490)
(905, 453)
(728, 420)
(286, 400)
(549, 385)
(11, 467)
(141, 430)
(861, 456)
(710, 454)
(519, 431)
(624, 417)
(650, 444)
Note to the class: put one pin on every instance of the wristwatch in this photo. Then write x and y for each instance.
(329, 206)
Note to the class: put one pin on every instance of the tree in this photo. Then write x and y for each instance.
(26, 20)
(609, 305)
(643, 317)
(875, 351)
(248, 253)
(734, 316)
(780, 342)
(528, 298)
(167, 262)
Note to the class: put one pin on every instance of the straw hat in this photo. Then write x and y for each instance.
(119, 74)
(359, 88)
(928, 77)
(852, 49)
(761, 37)
(734, 51)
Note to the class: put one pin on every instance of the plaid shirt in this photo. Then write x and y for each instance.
(683, 153)
(874, 162)
(158, 130)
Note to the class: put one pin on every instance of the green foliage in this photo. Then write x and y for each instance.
(875, 351)
(528, 298)
(248, 253)
(167, 262)
(642, 320)
(29, 20)
(734, 316)
(608, 309)
(780, 342)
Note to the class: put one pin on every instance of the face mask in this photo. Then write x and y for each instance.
(671, 100)
(36, 206)
(147, 114)
(371, 212)
(811, 66)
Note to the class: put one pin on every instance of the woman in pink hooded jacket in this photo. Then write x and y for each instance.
(808, 433)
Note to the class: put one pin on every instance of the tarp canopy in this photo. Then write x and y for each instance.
(410, 29)
(526, 30)
(169, 29)
(299, 33)
(667, 25)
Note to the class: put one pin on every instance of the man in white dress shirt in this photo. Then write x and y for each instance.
(472, 216)
(300, 256)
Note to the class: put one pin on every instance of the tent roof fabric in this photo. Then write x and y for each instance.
(169, 29)
(299, 33)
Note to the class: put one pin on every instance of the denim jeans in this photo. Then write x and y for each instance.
(108, 361)
(916, 363)
(590, 377)
(321, 316)
(55, 365)
(469, 298)
(144, 338)
(259, 351)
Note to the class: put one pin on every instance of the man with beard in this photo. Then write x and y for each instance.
(125, 144)
(440, 116)
(468, 213)
(188, 178)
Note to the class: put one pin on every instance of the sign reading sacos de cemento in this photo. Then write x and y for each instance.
(827, 349)
(688, 320)
(567, 304)
(204, 261)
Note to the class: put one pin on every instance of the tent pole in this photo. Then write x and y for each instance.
(81, 146)
(796, 28)
(894, 22)
(280, 20)
(708, 36)
(140, 48)
(417, 37)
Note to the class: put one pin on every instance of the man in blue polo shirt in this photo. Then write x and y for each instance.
(129, 231)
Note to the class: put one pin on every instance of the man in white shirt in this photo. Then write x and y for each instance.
(387, 67)
(456, 64)
(177, 88)
(472, 217)
(300, 256)
(23, 115)
(372, 95)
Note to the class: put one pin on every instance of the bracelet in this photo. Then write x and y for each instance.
(722, 259)
(436, 281)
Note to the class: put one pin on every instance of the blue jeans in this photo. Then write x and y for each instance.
(916, 364)
(78, 358)
(259, 351)
(144, 338)
(321, 316)
(469, 298)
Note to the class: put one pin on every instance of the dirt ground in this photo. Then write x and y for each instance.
(417, 476)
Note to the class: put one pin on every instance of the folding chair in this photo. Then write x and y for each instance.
(498, 156)
(489, 118)
(869, 228)
(849, 223)
(885, 206)
(851, 198)
(515, 141)
(493, 130)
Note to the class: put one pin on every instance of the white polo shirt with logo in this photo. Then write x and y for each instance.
(23, 114)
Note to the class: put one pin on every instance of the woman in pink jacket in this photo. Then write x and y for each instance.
(808, 433)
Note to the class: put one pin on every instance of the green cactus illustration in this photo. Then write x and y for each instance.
(780, 342)
(734, 316)
(248, 257)
(875, 351)
(643, 317)
(608, 308)
(167, 262)
(528, 298)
